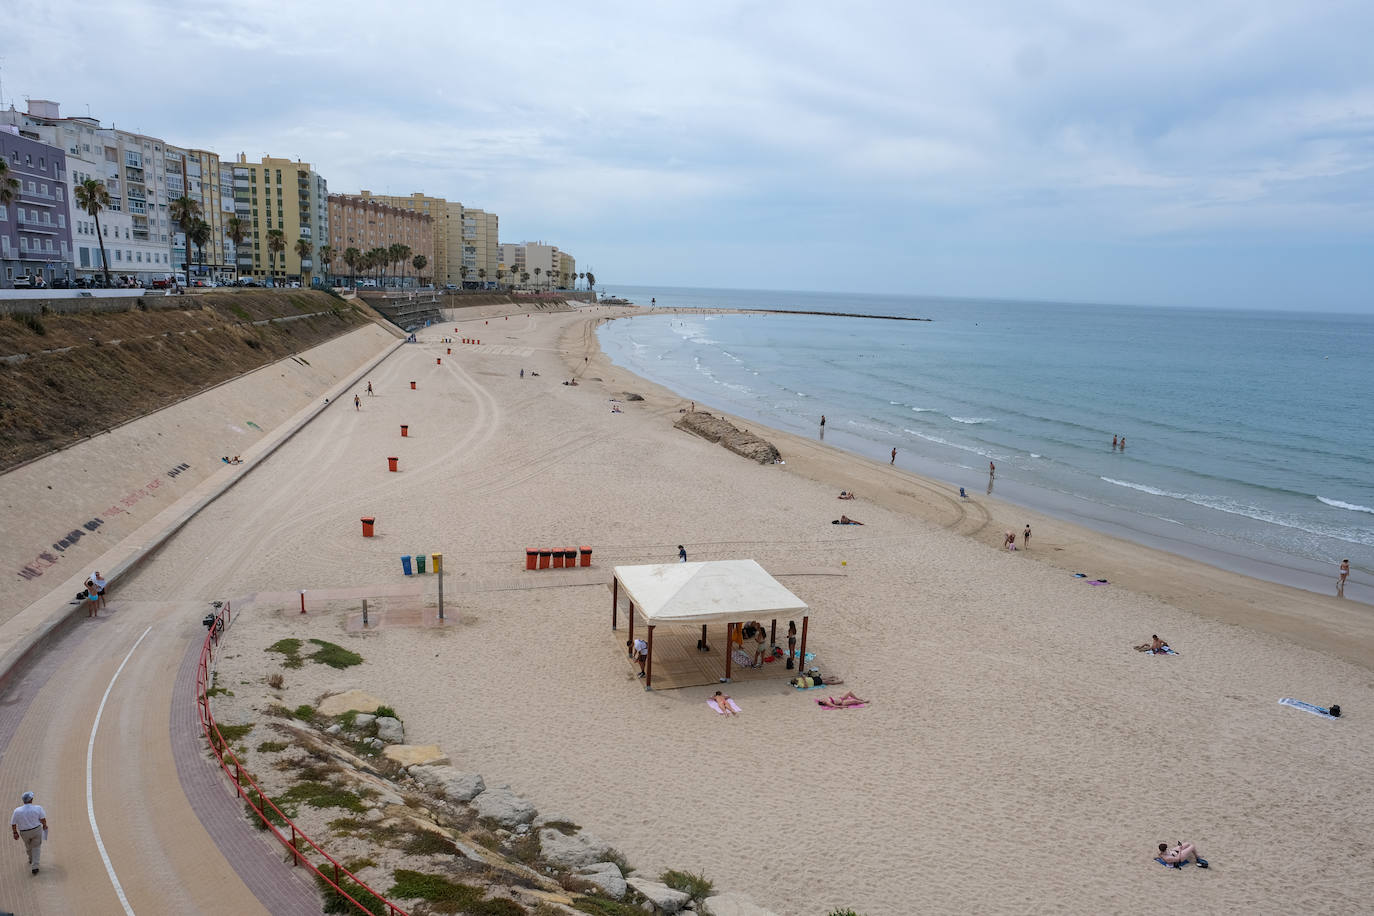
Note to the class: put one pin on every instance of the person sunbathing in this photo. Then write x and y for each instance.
(722, 701)
(1181, 854)
(846, 520)
(846, 494)
(1156, 646)
(845, 701)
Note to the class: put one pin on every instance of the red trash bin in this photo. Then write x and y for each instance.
(450, 351)
(368, 522)
(405, 431)
(531, 558)
(544, 558)
(391, 463)
(438, 360)
(586, 556)
(558, 559)
(412, 386)
(570, 557)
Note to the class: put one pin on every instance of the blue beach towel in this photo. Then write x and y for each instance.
(1165, 651)
(1307, 707)
(1168, 864)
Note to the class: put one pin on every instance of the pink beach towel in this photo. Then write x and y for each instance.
(720, 712)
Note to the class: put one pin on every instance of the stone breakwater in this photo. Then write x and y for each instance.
(740, 441)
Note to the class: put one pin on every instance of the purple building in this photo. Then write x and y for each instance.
(35, 240)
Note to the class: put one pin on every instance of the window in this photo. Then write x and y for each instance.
(4, 213)
(23, 243)
(118, 254)
(61, 221)
(43, 188)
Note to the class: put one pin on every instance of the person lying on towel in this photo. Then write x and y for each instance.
(845, 520)
(843, 702)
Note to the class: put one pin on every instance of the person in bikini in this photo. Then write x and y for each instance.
(847, 700)
(722, 700)
(1344, 574)
(1181, 854)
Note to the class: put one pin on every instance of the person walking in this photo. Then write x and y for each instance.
(894, 455)
(369, 389)
(681, 554)
(1025, 537)
(1342, 576)
(822, 421)
(29, 822)
(357, 403)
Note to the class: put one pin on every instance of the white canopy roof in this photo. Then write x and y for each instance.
(721, 591)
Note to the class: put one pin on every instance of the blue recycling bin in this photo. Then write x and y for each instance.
(405, 564)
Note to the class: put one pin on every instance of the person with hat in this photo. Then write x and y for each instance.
(30, 824)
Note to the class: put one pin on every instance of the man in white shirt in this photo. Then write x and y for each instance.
(30, 824)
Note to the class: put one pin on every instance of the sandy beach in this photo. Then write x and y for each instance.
(1018, 755)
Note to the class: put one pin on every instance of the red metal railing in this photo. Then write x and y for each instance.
(240, 775)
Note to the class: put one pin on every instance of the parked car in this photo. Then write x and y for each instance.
(450, 286)
(23, 281)
(61, 283)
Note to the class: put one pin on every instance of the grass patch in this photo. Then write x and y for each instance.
(271, 747)
(604, 906)
(347, 719)
(414, 885)
(526, 849)
(347, 825)
(305, 712)
(291, 649)
(334, 656)
(323, 795)
(357, 865)
(695, 886)
(231, 733)
(276, 681)
(429, 843)
(240, 312)
(271, 815)
(219, 692)
(334, 902)
(567, 828)
(842, 912)
(385, 712)
(618, 857)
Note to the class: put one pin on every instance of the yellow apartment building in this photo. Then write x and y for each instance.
(287, 196)
(439, 211)
(367, 222)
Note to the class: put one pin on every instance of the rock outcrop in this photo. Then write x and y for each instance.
(452, 783)
(664, 898)
(571, 850)
(390, 730)
(607, 876)
(741, 442)
(504, 806)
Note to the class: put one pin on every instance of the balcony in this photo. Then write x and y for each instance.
(141, 235)
(37, 197)
(30, 224)
(133, 174)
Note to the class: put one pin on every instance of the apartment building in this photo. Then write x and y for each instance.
(283, 196)
(443, 217)
(199, 175)
(480, 246)
(366, 222)
(547, 266)
(135, 226)
(35, 238)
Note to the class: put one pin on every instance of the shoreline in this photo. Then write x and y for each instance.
(1336, 626)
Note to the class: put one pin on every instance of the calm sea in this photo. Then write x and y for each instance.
(1248, 442)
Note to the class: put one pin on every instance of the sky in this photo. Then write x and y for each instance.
(1201, 153)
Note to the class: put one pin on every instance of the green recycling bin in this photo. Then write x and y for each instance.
(420, 563)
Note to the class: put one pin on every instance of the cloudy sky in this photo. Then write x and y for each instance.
(1191, 152)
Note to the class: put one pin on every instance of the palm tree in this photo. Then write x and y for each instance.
(499, 274)
(353, 257)
(304, 248)
(403, 253)
(276, 244)
(525, 276)
(184, 212)
(380, 257)
(463, 274)
(326, 258)
(419, 263)
(8, 185)
(236, 230)
(199, 234)
(482, 275)
(536, 275)
(591, 280)
(91, 196)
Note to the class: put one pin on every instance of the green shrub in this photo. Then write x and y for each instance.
(844, 912)
(602, 906)
(291, 648)
(232, 733)
(427, 842)
(414, 885)
(334, 902)
(694, 886)
(304, 712)
(323, 795)
(385, 711)
(271, 747)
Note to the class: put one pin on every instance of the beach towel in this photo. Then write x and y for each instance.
(1307, 707)
(1165, 651)
(1170, 864)
(823, 705)
(1098, 582)
(720, 712)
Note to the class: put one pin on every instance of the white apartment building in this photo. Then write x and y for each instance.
(555, 268)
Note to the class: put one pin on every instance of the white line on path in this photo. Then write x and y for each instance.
(90, 800)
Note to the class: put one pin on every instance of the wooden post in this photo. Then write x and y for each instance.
(302, 601)
(801, 659)
(632, 624)
(364, 613)
(704, 646)
(649, 668)
(729, 648)
(773, 634)
(615, 599)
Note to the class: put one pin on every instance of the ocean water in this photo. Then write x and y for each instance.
(1248, 441)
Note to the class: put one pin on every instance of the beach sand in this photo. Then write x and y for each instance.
(1018, 755)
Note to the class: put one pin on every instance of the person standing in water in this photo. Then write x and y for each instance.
(992, 469)
(1113, 443)
(1344, 574)
(894, 456)
(822, 421)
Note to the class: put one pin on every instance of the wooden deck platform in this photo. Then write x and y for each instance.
(678, 662)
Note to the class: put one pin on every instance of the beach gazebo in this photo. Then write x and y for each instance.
(700, 594)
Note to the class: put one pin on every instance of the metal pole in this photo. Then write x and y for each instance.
(302, 601)
(439, 568)
(364, 613)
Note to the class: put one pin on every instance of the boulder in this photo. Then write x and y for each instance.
(340, 703)
(734, 905)
(741, 442)
(363, 721)
(333, 729)
(605, 875)
(573, 851)
(503, 806)
(416, 754)
(449, 782)
(631, 396)
(663, 897)
(390, 730)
